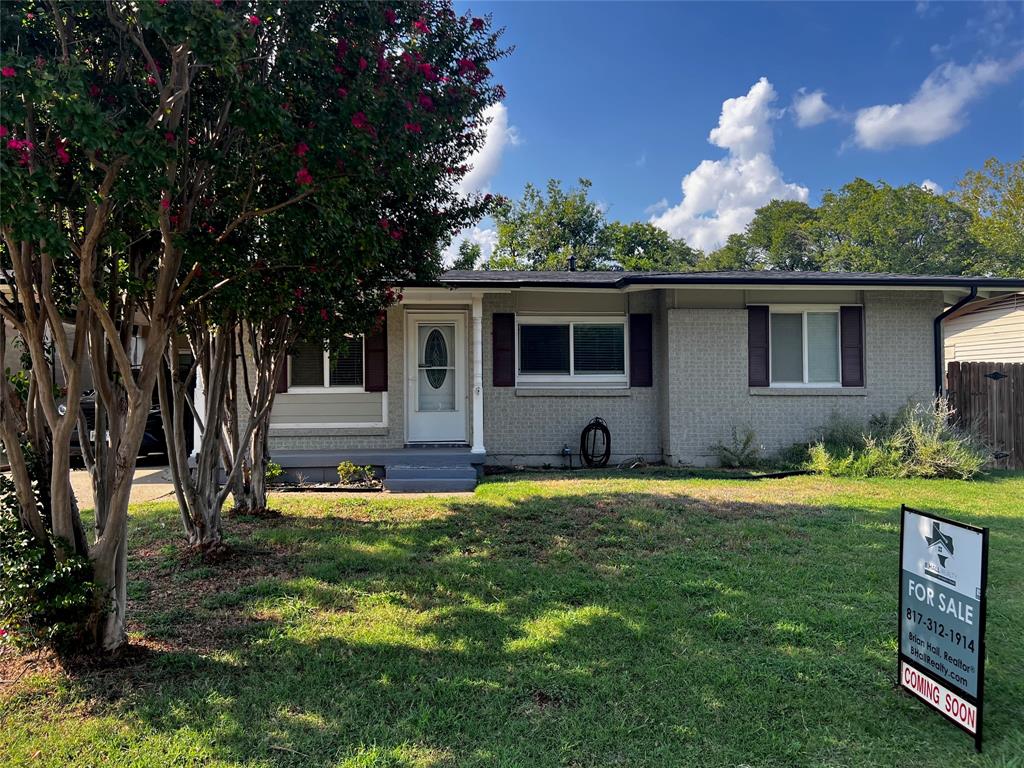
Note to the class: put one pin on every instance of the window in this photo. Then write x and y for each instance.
(577, 351)
(804, 346)
(310, 365)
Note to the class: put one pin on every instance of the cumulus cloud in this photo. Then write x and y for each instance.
(485, 237)
(931, 186)
(720, 196)
(937, 110)
(810, 108)
(484, 164)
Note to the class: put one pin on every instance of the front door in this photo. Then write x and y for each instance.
(436, 377)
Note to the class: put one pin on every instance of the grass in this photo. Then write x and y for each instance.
(600, 620)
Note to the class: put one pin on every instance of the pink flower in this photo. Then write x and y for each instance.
(165, 203)
(396, 234)
(384, 224)
(94, 91)
(301, 149)
(362, 64)
(420, 25)
(466, 65)
(8, 72)
(218, 3)
(298, 293)
(477, 24)
(304, 177)
(390, 16)
(342, 49)
(425, 101)
(323, 315)
(254, 21)
(360, 122)
(169, 137)
(150, 80)
(414, 128)
(428, 72)
(62, 152)
(162, 2)
(342, 92)
(3, 131)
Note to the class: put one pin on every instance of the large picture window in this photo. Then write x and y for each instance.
(804, 344)
(571, 351)
(311, 366)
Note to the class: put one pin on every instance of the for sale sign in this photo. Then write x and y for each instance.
(943, 568)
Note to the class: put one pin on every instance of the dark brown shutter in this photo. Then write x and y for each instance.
(757, 346)
(851, 343)
(641, 351)
(375, 364)
(503, 341)
(281, 385)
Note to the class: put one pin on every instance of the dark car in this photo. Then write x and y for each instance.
(153, 441)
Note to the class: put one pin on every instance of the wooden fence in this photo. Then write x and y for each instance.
(989, 401)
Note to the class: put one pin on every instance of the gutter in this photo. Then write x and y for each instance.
(940, 374)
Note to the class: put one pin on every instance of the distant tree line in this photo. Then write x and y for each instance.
(977, 228)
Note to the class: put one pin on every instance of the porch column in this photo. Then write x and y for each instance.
(199, 400)
(478, 375)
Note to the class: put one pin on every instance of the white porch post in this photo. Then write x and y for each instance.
(478, 375)
(199, 400)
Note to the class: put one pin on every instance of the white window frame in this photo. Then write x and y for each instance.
(573, 379)
(306, 389)
(803, 310)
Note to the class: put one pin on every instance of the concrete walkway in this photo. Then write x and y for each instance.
(151, 483)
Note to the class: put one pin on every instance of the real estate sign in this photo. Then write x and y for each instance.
(943, 569)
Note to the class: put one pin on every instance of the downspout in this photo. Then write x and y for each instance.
(940, 374)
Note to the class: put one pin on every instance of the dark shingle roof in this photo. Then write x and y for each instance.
(512, 279)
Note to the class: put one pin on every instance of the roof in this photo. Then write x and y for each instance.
(524, 279)
(1007, 301)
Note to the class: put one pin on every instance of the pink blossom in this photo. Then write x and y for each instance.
(420, 25)
(162, 2)
(298, 293)
(390, 16)
(360, 122)
(8, 72)
(323, 315)
(362, 64)
(342, 49)
(218, 3)
(477, 24)
(301, 149)
(62, 152)
(466, 65)
(425, 101)
(384, 224)
(428, 72)
(254, 21)
(414, 128)
(3, 131)
(94, 90)
(169, 137)
(396, 234)
(304, 177)
(150, 80)
(165, 203)
(343, 92)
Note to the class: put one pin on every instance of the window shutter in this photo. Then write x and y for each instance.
(851, 340)
(641, 351)
(503, 342)
(375, 378)
(282, 377)
(757, 346)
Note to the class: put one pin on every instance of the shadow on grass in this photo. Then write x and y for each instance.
(598, 628)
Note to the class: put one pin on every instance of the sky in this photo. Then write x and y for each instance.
(692, 115)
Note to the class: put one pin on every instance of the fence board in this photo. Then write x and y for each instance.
(992, 408)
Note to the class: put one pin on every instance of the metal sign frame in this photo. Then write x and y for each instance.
(902, 659)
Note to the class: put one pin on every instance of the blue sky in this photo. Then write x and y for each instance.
(627, 94)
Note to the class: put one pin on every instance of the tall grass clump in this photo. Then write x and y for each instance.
(920, 441)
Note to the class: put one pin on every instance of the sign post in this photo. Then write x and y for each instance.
(943, 574)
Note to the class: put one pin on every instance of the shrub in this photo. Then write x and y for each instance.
(273, 471)
(920, 441)
(41, 600)
(353, 474)
(742, 451)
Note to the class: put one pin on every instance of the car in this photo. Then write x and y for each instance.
(153, 440)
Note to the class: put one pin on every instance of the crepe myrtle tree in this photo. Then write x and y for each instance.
(379, 108)
(118, 119)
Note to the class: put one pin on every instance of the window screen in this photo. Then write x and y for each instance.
(347, 364)
(599, 349)
(787, 348)
(823, 347)
(307, 364)
(544, 349)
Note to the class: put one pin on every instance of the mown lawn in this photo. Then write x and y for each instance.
(640, 620)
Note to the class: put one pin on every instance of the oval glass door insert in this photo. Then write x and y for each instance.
(435, 358)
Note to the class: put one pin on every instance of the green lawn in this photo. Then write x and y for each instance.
(637, 620)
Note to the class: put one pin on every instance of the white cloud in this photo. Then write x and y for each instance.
(937, 110)
(931, 186)
(656, 208)
(810, 108)
(720, 196)
(484, 164)
(485, 237)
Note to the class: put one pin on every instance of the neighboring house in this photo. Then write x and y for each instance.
(507, 368)
(987, 331)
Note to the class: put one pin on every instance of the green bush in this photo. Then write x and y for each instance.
(353, 474)
(41, 600)
(273, 471)
(920, 441)
(741, 451)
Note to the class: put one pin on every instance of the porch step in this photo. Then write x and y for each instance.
(410, 478)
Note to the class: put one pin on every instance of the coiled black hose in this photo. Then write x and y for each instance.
(596, 437)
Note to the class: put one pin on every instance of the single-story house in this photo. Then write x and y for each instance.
(507, 368)
(987, 331)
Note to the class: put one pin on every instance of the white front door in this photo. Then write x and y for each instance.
(435, 352)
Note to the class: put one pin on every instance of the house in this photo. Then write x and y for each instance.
(988, 331)
(507, 368)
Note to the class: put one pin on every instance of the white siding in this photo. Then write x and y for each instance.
(990, 335)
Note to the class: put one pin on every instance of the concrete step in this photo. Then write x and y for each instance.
(429, 484)
(438, 472)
